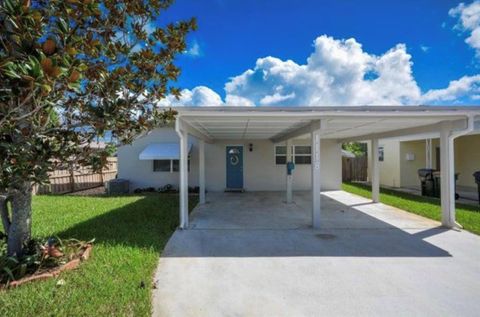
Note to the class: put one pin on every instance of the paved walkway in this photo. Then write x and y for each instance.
(367, 259)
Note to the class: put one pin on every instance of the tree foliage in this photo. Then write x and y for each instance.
(357, 148)
(71, 70)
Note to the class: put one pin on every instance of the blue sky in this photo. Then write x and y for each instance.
(233, 34)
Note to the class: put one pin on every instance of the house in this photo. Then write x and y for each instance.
(244, 148)
(402, 158)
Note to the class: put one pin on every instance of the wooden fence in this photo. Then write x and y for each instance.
(354, 169)
(67, 181)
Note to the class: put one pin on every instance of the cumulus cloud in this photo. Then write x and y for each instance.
(461, 87)
(469, 21)
(337, 73)
(200, 96)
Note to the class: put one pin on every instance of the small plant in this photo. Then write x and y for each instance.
(40, 256)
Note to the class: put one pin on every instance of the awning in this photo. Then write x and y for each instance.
(162, 151)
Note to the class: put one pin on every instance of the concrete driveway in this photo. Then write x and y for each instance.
(252, 255)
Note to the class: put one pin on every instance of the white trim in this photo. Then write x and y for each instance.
(294, 154)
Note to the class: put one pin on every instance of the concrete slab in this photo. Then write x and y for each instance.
(367, 259)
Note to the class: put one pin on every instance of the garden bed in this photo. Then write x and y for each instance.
(42, 260)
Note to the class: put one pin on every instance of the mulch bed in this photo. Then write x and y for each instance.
(52, 272)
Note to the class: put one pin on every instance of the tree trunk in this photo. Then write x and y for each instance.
(21, 222)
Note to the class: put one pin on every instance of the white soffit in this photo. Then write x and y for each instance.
(162, 151)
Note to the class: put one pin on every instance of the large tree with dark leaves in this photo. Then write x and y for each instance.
(70, 71)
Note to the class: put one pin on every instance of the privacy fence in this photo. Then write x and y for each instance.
(354, 169)
(68, 180)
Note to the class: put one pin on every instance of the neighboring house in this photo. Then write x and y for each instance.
(402, 159)
(245, 148)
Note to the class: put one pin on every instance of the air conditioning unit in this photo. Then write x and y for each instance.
(117, 186)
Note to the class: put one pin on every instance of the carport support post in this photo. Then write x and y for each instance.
(447, 178)
(428, 153)
(289, 176)
(201, 171)
(375, 172)
(183, 179)
(316, 174)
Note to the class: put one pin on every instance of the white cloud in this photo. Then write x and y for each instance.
(469, 20)
(424, 48)
(200, 96)
(194, 50)
(456, 88)
(334, 74)
(337, 73)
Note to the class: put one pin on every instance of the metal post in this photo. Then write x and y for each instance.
(428, 153)
(201, 170)
(375, 172)
(183, 179)
(447, 178)
(289, 158)
(316, 177)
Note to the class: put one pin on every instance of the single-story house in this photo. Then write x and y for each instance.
(402, 158)
(252, 149)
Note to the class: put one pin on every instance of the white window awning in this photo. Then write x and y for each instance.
(162, 151)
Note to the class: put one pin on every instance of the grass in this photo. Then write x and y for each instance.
(130, 233)
(468, 216)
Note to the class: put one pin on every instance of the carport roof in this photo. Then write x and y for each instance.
(344, 123)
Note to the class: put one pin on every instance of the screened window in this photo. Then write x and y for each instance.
(161, 165)
(280, 155)
(302, 154)
(168, 165)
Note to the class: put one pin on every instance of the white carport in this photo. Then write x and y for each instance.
(281, 125)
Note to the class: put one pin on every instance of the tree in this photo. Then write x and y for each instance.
(357, 148)
(71, 70)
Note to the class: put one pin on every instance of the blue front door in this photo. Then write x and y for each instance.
(235, 167)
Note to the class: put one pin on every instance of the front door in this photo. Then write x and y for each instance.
(235, 167)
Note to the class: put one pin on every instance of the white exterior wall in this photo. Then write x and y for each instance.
(260, 173)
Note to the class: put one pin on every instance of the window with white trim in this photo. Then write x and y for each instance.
(168, 165)
(302, 154)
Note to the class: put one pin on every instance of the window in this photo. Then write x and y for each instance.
(161, 165)
(168, 165)
(302, 154)
(381, 154)
(280, 155)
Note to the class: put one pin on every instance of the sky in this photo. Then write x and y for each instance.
(322, 53)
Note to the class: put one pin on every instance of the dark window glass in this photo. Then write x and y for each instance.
(175, 165)
(161, 165)
(279, 160)
(281, 150)
(303, 159)
(303, 149)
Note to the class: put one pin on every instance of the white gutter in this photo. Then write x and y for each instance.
(470, 128)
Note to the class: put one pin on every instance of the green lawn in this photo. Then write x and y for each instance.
(468, 216)
(130, 233)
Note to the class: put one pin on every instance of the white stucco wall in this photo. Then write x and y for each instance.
(260, 171)
(467, 161)
(390, 166)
